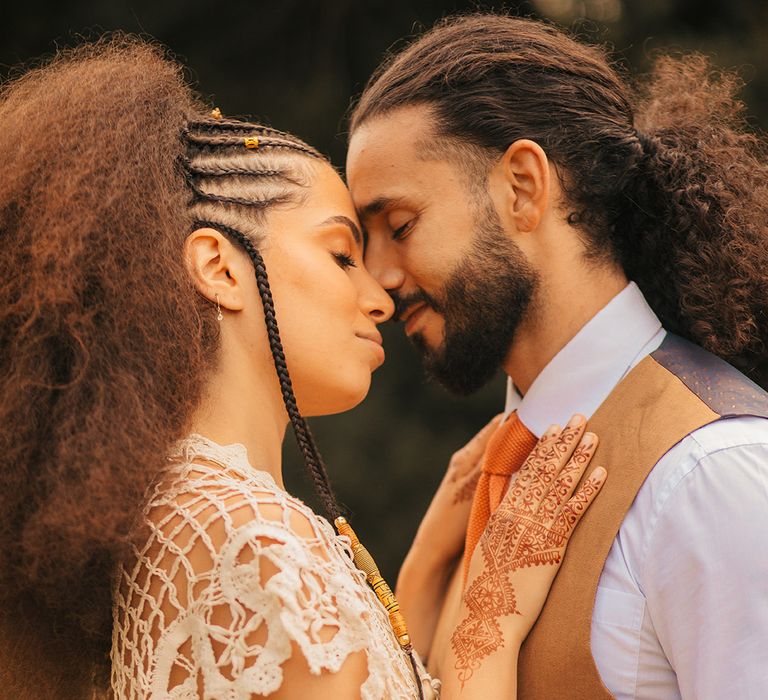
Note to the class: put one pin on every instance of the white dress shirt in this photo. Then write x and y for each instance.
(682, 603)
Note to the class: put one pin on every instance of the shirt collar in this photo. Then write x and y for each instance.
(580, 377)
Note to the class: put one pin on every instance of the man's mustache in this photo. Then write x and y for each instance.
(405, 302)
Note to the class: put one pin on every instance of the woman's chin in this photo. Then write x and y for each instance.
(330, 400)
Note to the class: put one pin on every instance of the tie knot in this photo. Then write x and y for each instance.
(508, 447)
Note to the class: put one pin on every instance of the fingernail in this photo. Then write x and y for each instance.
(552, 431)
(599, 474)
(589, 440)
(576, 421)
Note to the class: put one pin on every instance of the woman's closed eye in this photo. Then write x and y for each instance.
(345, 261)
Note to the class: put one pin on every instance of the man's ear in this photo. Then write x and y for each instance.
(215, 267)
(524, 172)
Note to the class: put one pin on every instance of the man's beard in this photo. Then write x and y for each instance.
(483, 303)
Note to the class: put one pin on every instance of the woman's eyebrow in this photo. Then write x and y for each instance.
(346, 221)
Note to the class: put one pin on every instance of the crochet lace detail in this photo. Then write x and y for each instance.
(234, 575)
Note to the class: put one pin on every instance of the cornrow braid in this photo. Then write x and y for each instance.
(242, 201)
(231, 162)
(212, 124)
(218, 170)
(225, 140)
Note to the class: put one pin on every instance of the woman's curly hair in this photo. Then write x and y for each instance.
(100, 363)
(109, 161)
(665, 179)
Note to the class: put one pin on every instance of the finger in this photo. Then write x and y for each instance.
(585, 495)
(543, 465)
(522, 480)
(470, 456)
(539, 453)
(553, 450)
(551, 434)
(569, 439)
(565, 483)
(563, 449)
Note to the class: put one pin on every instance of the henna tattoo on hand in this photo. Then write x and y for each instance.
(466, 491)
(512, 544)
(531, 527)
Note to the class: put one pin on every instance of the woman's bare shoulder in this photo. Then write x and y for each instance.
(223, 501)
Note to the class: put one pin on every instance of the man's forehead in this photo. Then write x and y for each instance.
(401, 132)
(396, 156)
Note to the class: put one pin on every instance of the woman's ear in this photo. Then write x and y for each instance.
(524, 171)
(215, 267)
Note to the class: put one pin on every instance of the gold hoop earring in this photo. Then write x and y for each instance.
(219, 316)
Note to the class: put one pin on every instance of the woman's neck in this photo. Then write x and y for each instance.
(243, 403)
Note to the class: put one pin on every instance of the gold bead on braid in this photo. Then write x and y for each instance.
(364, 561)
(251, 142)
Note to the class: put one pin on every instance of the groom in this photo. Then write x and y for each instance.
(523, 216)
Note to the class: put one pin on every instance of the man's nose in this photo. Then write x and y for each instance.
(384, 264)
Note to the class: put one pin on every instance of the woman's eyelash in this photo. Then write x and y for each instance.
(344, 260)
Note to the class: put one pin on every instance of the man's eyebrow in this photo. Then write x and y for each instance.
(346, 221)
(376, 206)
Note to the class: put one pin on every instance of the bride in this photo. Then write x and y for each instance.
(178, 287)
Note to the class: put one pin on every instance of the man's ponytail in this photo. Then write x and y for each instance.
(695, 232)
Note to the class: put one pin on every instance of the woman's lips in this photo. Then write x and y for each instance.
(375, 341)
(373, 336)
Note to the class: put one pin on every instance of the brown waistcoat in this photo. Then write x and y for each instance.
(667, 396)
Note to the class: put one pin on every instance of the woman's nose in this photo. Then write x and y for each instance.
(375, 302)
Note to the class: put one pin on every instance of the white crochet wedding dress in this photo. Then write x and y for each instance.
(235, 575)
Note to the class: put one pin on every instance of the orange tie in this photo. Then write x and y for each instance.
(507, 450)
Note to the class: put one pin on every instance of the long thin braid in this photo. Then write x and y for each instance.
(221, 143)
(220, 160)
(303, 434)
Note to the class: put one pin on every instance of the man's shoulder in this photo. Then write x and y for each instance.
(722, 387)
(713, 475)
(736, 432)
(714, 445)
(731, 453)
(736, 440)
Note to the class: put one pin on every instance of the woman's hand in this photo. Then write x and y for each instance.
(444, 527)
(515, 562)
(440, 540)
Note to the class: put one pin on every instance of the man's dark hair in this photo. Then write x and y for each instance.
(666, 180)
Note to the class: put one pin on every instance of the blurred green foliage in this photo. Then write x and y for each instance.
(297, 64)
